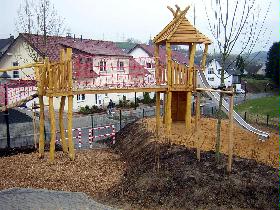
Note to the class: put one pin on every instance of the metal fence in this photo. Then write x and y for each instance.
(23, 126)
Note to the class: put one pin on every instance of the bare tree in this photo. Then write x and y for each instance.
(237, 26)
(41, 18)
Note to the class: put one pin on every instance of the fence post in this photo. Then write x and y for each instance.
(245, 116)
(267, 117)
(120, 119)
(135, 101)
(91, 121)
(7, 117)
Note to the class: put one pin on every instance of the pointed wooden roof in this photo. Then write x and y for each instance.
(181, 31)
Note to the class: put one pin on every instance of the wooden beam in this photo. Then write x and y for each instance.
(53, 130)
(168, 114)
(70, 126)
(188, 115)
(213, 90)
(22, 67)
(41, 128)
(157, 64)
(230, 141)
(61, 125)
(168, 61)
(157, 112)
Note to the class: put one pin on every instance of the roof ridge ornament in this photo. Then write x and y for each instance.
(178, 10)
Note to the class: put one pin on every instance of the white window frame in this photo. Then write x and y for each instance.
(120, 67)
(212, 79)
(102, 65)
(81, 97)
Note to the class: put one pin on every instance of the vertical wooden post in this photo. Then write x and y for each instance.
(53, 130)
(34, 125)
(188, 115)
(168, 119)
(41, 87)
(230, 142)
(70, 104)
(164, 107)
(62, 102)
(61, 125)
(157, 93)
(197, 125)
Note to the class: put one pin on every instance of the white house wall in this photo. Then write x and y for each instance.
(19, 52)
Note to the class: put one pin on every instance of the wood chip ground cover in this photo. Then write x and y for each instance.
(143, 172)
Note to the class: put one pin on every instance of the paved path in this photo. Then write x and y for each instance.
(25, 199)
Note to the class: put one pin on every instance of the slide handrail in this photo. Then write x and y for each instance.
(202, 81)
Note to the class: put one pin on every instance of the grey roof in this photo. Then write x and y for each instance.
(5, 43)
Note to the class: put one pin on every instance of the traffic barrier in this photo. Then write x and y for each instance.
(111, 134)
(78, 136)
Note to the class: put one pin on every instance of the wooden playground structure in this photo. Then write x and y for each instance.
(54, 79)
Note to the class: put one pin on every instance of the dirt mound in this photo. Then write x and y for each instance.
(163, 176)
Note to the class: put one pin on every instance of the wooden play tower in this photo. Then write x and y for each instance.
(181, 79)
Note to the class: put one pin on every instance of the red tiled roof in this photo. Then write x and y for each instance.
(55, 43)
(180, 57)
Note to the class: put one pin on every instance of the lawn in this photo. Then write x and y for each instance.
(261, 106)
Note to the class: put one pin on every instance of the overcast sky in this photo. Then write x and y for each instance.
(117, 20)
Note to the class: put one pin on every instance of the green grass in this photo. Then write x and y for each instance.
(261, 106)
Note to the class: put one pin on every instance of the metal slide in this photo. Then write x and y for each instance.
(201, 80)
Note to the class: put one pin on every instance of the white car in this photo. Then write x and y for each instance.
(241, 91)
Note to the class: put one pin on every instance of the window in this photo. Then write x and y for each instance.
(210, 78)
(81, 97)
(120, 65)
(149, 65)
(210, 71)
(16, 74)
(95, 98)
(102, 65)
(219, 71)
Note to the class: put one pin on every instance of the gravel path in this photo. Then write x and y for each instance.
(22, 198)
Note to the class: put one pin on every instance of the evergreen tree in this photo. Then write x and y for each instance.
(272, 63)
(240, 64)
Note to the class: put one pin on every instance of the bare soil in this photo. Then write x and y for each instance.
(145, 172)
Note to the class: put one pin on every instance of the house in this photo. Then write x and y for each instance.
(5, 43)
(213, 75)
(261, 71)
(144, 55)
(95, 64)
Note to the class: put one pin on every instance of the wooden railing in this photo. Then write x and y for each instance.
(57, 76)
(179, 75)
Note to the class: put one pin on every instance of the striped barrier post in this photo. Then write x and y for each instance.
(113, 134)
(90, 137)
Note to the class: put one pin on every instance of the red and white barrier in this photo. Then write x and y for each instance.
(111, 134)
(78, 136)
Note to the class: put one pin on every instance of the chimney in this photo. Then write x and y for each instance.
(81, 37)
(12, 37)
